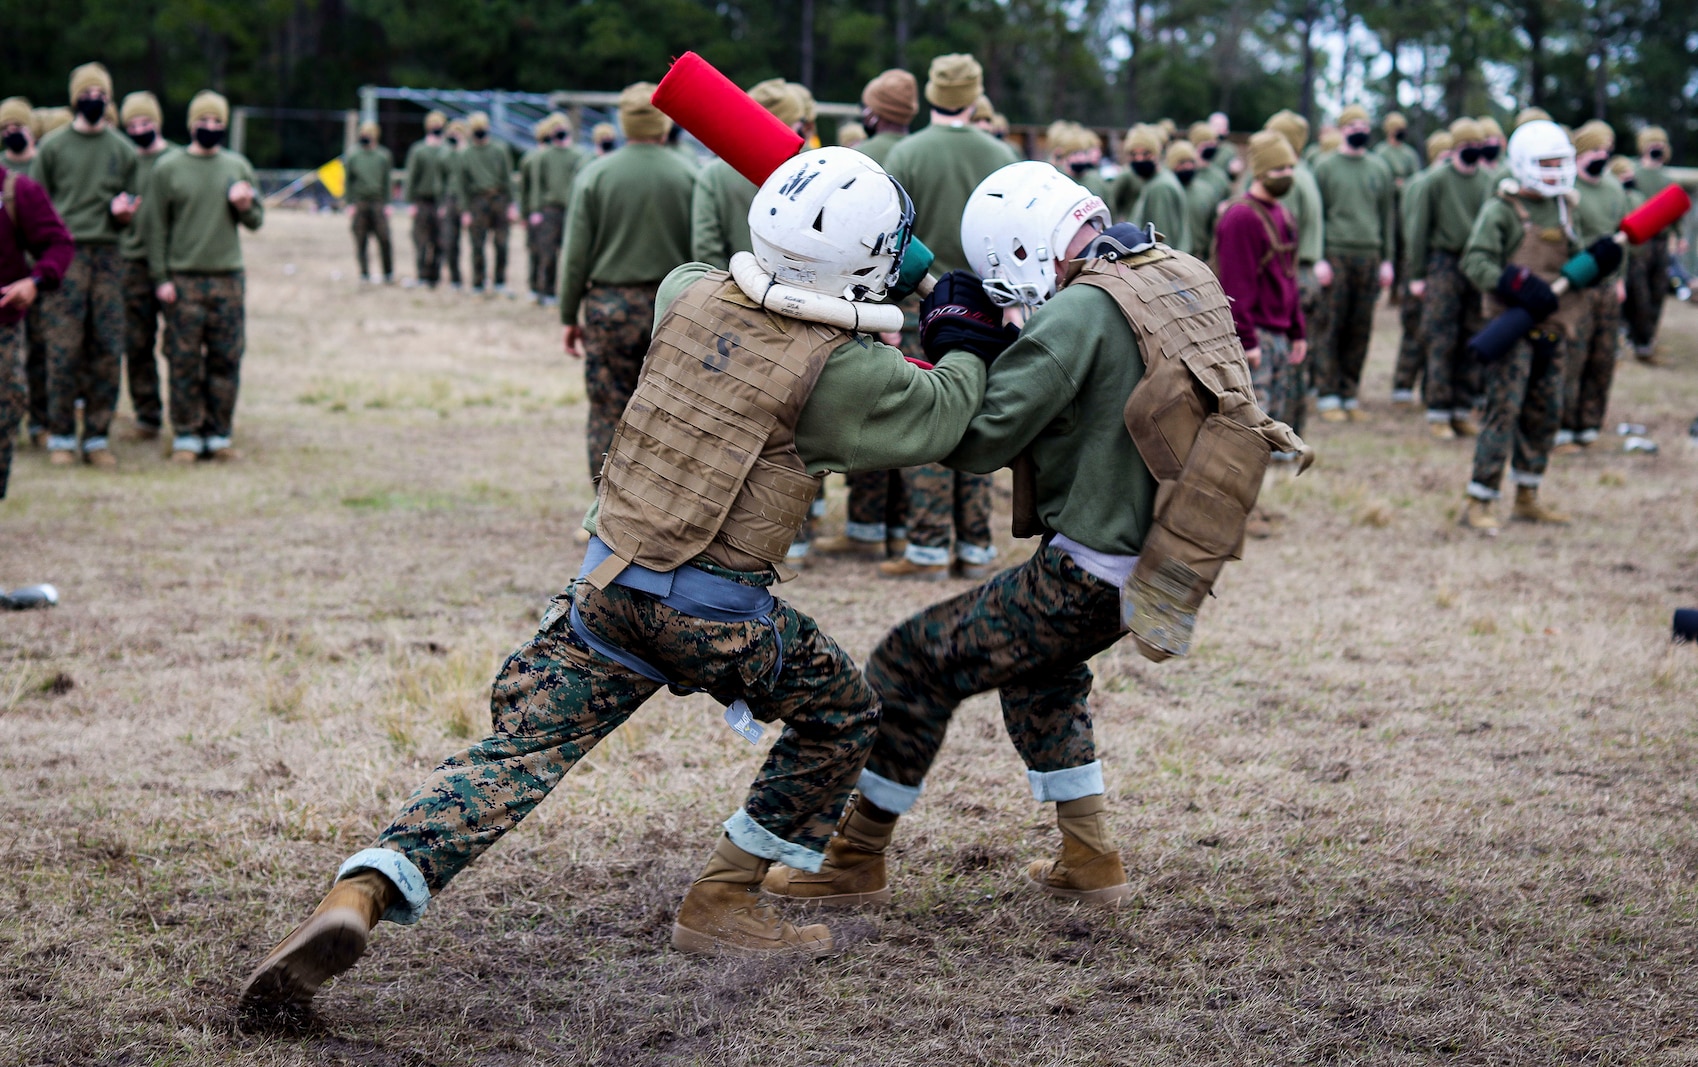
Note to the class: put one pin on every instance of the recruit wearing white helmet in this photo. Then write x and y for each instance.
(832, 221)
(1018, 223)
(1531, 147)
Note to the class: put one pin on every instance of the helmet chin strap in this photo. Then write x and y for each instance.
(810, 306)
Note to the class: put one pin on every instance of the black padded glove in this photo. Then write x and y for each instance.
(958, 315)
(1607, 254)
(1520, 287)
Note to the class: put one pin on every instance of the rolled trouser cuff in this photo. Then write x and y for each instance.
(61, 442)
(1403, 396)
(1439, 415)
(977, 555)
(921, 556)
(757, 840)
(886, 795)
(1564, 437)
(870, 532)
(1527, 479)
(215, 443)
(1327, 403)
(1069, 783)
(188, 442)
(1586, 437)
(400, 871)
(1482, 492)
(95, 444)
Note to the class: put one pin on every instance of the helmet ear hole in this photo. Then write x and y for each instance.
(1020, 252)
(819, 221)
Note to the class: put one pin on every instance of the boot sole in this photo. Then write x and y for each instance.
(876, 898)
(1106, 896)
(696, 943)
(320, 949)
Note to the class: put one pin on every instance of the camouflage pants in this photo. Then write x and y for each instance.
(448, 239)
(1410, 362)
(545, 250)
(1523, 391)
(427, 249)
(1589, 366)
(141, 343)
(83, 321)
(1027, 633)
(205, 335)
(877, 501)
(489, 220)
(14, 395)
(1450, 316)
(1647, 288)
(35, 367)
(618, 325)
(1343, 349)
(942, 502)
(369, 222)
(1312, 298)
(555, 699)
(1278, 384)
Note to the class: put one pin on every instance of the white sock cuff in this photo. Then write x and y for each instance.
(757, 840)
(887, 795)
(415, 897)
(1069, 783)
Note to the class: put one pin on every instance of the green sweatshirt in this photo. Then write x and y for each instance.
(1439, 209)
(629, 223)
(133, 243)
(427, 171)
(488, 168)
(1356, 192)
(1164, 203)
(530, 184)
(940, 167)
(368, 175)
(1202, 196)
(189, 221)
(719, 214)
(454, 175)
(1060, 391)
(1307, 214)
(82, 172)
(1123, 194)
(558, 170)
(1603, 204)
(1497, 234)
(1093, 182)
(1401, 159)
(1225, 153)
(878, 146)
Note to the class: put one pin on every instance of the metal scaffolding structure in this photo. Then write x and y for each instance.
(512, 116)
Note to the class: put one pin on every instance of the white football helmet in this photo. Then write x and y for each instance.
(1540, 140)
(832, 221)
(1018, 222)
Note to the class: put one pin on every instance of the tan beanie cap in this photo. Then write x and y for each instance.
(1269, 150)
(562, 121)
(776, 96)
(983, 109)
(1489, 126)
(638, 116)
(1464, 130)
(141, 105)
(954, 82)
(1353, 113)
(544, 129)
(90, 76)
(1144, 139)
(1622, 168)
(457, 128)
(435, 121)
(851, 134)
(1180, 152)
(603, 131)
(1169, 129)
(1294, 126)
(805, 95)
(208, 104)
(1200, 132)
(1331, 138)
(1438, 143)
(372, 130)
(1651, 135)
(14, 111)
(1394, 120)
(1530, 114)
(49, 119)
(1593, 136)
(893, 96)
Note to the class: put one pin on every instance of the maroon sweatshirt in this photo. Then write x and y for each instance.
(1263, 288)
(39, 232)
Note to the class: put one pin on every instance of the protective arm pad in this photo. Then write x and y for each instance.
(1520, 287)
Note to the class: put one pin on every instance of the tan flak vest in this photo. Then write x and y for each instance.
(1195, 420)
(1543, 250)
(704, 460)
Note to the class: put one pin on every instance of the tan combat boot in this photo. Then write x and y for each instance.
(904, 567)
(321, 948)
(102, 458)
(844, 545)
(723, 913)
(1087, 870)
(1478, 516)
(1441, 431)
(853, 873)
(1528, 508)
(1464, 426)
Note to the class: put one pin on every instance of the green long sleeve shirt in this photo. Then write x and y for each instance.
(454, 175)
(1163, 203)
(1060, 392)
(1093, 182)
(427, 171)
(189, 221)
(629, 223)
(1497, 234)
(719, 214)
(1123, 194)
(878, 146)
(558, 170)
(1401, 159)
(940, 167)
(82, 172)
(530, 184)
(1307, 214)
(133, 243)
(488, 168)
(368, 175)
(1603, 204)
(1439, 209)
(1356, 192)
(1202, 196)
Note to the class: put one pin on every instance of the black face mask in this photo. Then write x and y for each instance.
(1184, 176)
(208, 138)
(480, 135)
(91, 110)
(1078, 168)
(1490, 153)
(145, 138)
(561, 138)
(1656, 154)
(1395, 137)
(1469, 156)
(1208, 153)
(365, 142)
(1630, 183)
(16, 142)
(453, 142)
(1596, 167)
(605, 146)
(1359, 139)
(1144, 168)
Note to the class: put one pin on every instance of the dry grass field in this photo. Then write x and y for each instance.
(1417, 797)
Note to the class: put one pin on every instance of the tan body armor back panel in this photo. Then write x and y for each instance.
(1543, 250)
(704, 459)
(1195, 420)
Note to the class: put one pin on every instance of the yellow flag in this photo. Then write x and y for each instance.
(334, 177)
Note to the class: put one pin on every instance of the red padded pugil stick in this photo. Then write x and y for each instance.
(725, 118)
(1656, 214)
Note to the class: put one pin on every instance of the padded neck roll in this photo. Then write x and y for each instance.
(1656, 214)
(725, 118)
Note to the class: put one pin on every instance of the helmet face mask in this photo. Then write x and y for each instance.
(1542, 159)
(832, 221)
(1018, 225)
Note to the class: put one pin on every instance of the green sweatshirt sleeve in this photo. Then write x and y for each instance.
(1163, 203)
(709, 243)
(1417, 226)
(1388, 215)
(153, 219)
(872, 410)
(1030, 388)
(575, 251)
(1496, 234)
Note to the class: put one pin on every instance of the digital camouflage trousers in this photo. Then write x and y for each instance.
(545, 250)
(448, 239)
(1314, 303)
(1523, 405)
(1450, 315)
(1410, 366)
(35, 366)
(1279, 385)
(555, 699)
(83, 324)
(142, 310)
(618, 326)
(1589, 366)
(1647, 288)
(1027, 633)
(427, 240)
(944, 502)
(371, 222)
(878, 505)
(489, 222)
(1343, 350)
(14, 395)
(205, 336)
